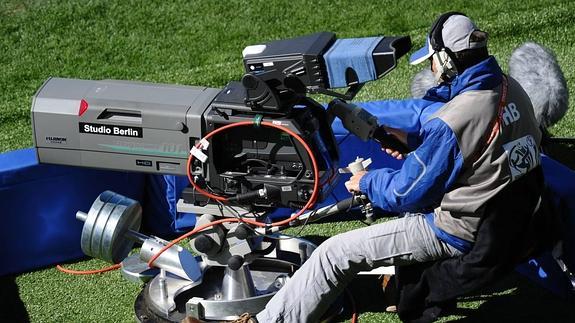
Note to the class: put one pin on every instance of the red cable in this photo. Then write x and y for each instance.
(309, 203)
(251, 123)
(87, 272)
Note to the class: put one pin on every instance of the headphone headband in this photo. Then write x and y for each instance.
(435, 35)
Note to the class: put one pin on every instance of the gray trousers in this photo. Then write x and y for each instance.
(312, 289)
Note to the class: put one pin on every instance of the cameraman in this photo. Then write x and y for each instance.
(472, 136)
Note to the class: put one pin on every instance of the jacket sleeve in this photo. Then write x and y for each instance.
(426, 175)
(406, 115)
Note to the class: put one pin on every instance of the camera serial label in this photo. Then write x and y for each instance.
(141, 162)
(111, 130)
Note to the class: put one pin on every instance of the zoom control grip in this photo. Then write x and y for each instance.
(363, 124)
(387, 140)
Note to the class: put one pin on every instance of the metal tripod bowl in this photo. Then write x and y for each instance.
(206, 301)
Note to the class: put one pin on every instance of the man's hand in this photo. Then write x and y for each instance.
(401, 136)
(353, 184)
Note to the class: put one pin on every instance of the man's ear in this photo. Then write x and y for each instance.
(478, 36)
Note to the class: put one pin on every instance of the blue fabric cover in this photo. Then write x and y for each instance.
(544, 270)
(39, 203)
(160, 215)
(354, 53)
(561, 180)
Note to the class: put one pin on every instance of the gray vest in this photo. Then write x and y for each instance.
(488, 168)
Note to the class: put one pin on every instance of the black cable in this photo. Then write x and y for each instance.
(354, 196)
(305, 222)
(240, 218)
(194, 197)
(273, 244)
(301, 173)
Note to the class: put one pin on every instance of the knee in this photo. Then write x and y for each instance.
(336, 252)
(337, 262)
(331, 248)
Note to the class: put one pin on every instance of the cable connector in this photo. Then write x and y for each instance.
(269, 229)
(197, 153)
(258, 120)
(268, 191)
(204, 144)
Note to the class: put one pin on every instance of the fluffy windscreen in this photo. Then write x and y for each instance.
(538, 72)
(422, 81)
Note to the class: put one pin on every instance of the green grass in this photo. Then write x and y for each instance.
(200, 43)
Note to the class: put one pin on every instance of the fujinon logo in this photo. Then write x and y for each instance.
(56, 140)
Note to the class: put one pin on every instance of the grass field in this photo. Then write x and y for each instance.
(200, 43)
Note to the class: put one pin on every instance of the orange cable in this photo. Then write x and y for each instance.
(87, 272)
(310, 202)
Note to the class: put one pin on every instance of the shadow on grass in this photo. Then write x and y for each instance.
(315, 239)
(12, 308)
(527, 302)
(513, 299)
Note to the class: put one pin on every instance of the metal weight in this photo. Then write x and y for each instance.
(108, 226)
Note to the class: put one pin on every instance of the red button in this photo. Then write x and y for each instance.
(83, 107)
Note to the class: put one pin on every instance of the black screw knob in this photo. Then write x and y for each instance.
(242, 232)
(235, 262)
(204, 244)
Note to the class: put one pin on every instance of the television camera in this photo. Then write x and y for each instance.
(257, 145)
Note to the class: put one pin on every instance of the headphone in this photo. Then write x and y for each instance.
(445, 61)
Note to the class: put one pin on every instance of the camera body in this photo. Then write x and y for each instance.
(147, 127)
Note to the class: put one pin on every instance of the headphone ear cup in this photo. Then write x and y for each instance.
(439, 68)
(447, 65)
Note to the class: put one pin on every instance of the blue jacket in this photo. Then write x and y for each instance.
(436, 161)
